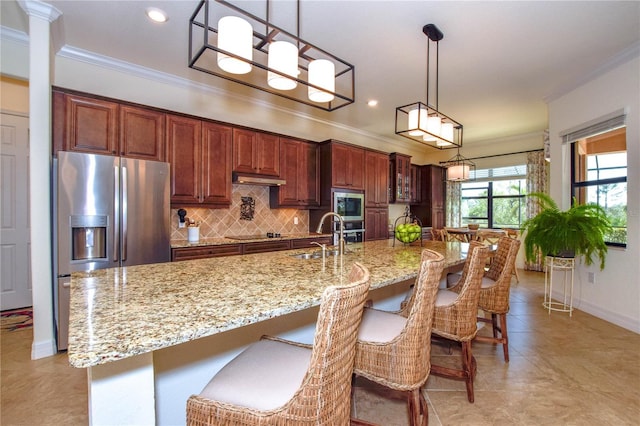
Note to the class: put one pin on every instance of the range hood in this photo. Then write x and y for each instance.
(257, 180)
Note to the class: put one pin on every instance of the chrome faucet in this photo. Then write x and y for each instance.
(341, 237)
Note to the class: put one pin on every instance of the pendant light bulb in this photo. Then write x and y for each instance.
(283, 57)
(322, 74)
(417, 121)
(235, 35)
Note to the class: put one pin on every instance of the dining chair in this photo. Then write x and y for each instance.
(454, 318)
(495, 292)
(275, 381)
(394, 348)
(513, 233)
(437, 234)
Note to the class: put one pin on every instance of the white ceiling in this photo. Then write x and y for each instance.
(499, 61)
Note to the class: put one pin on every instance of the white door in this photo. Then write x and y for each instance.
(15, 277)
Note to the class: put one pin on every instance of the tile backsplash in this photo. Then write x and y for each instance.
(217, 223)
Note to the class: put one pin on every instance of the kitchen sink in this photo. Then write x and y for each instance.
(307, 256)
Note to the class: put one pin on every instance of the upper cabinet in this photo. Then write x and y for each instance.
(376, 179)
(141, 133)
(300, 168)
(347, 166)
(415, 183)
(97, 126)
(256, 153)
(400, 178)
(200, 157)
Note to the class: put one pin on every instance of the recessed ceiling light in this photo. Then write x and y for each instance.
(372, 103)
(157, 15)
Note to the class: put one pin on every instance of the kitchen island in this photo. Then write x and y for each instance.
(151, 335)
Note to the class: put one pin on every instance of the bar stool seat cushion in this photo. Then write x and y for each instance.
(380, 326)
(445, 297)
(452, 280)
(265, 376)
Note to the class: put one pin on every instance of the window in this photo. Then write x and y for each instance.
(599, 171)
(496, 199)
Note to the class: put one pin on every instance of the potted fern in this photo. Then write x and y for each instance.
(577, 231)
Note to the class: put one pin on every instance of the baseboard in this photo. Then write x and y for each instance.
(607, 315)
(43, 349)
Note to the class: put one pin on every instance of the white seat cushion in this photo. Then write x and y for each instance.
(380, 326)
(487, 282)
(445, 297)
(263, 377)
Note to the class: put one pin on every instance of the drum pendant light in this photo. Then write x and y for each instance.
(283, 57)
(322, 74)
(235, 35)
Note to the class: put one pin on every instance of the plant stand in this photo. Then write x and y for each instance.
(566, 265)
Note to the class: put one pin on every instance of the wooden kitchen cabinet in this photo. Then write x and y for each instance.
(432, 207)
(415, 183)
(142, 133)
(85, 124)
(200, 158)
(300, 168)
(99, 126)
(347, 166)
(376, 222)
(256, 153)
(376, 188)
(306, 242)
(204, 252)
(400, 178)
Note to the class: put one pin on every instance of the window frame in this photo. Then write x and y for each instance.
(490, 197)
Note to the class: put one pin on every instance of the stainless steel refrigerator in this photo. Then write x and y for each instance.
(110, 212)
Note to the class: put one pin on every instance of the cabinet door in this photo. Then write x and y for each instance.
(400, 178)
(184, 154)
(288, 195)
(347, 167)
(91, 125)
(309, 174)
(142, 133)
(267, 154)
(216, 164)
(376, 179)
(243, 151)
(416, 184)
(376, 224)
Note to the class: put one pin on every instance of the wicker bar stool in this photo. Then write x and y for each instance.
(394, 348)
(278, 382)
(513, 233)
(455, 315)
(495, 290)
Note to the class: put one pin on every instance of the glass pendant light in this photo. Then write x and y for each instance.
(458, 172)
(322, 74)
(235, 35)
(283, 57)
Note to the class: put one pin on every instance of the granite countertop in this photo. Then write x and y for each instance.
(203, 242)
(122, 312)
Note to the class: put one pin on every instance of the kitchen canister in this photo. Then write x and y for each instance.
(194, 234)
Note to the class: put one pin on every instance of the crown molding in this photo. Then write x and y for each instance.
(613, 62)
(9, 34)
(40, 10)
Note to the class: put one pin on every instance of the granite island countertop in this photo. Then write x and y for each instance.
(122, 312)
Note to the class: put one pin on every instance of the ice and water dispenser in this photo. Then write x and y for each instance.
(88, 237)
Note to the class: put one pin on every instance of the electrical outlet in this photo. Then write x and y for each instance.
(591, 277)
(295, 220)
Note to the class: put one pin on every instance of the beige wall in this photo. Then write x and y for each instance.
(14, 95)
(615, 295)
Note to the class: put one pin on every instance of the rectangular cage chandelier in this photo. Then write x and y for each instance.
(423, 122)
(251, 51)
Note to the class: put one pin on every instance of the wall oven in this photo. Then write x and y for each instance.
(349, 205)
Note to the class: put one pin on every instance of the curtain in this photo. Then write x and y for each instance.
(537, 178)
(454, 200)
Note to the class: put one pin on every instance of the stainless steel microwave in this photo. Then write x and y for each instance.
(349, 205)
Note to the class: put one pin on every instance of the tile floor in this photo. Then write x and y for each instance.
(578, 371)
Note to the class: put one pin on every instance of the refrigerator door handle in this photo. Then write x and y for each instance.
(116, 210)
(125, 196)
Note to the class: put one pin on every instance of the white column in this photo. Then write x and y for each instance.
(40, 17)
